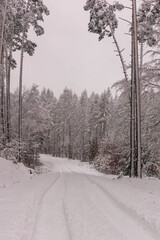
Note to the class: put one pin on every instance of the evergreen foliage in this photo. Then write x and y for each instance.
(17, 17)
(91, 128)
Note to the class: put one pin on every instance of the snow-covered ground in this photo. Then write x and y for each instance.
(11, 173)
(72, 201)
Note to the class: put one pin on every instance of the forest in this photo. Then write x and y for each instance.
(102, 129)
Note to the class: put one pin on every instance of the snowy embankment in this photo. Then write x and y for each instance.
(73, 201)
(11, 173)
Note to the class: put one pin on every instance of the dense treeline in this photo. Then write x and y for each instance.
(91, 128)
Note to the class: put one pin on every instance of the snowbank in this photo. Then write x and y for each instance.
(11, 173)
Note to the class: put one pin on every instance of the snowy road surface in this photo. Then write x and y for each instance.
(70, 202)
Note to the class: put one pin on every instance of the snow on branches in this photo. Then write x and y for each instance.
(103, 19)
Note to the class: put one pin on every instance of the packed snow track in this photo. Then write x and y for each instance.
(68, 202)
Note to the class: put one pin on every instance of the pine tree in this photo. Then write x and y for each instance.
(33, 13)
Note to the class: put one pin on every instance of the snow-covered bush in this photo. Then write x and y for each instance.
(151, 169)
(102, 164)
(30, 155)
(106, 164)
(10, 152)
(110, 161)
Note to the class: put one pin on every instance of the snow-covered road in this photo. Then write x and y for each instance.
(70, 202)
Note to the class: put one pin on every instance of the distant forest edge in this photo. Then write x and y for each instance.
(93, 128)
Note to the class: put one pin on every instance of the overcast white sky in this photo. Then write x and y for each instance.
(70, 56)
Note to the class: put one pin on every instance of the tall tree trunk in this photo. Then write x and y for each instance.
(82, 145)
(2, 72)
(48, 141)
(8, 77)
(118, 51)
(2, 101)
(8, 80)
(20, 90)
(137, 89)
(141, 59)
(54, 143)
(70, 141)
(120, 55)
(63, 141)
(20, 99)
(2, 31)
(132, 121)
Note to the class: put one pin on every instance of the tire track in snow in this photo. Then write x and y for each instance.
(84, 218)
(63, 207)
(131, 213)
(85, 200)
(39, 208)
(40, 203)
(65, 212)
